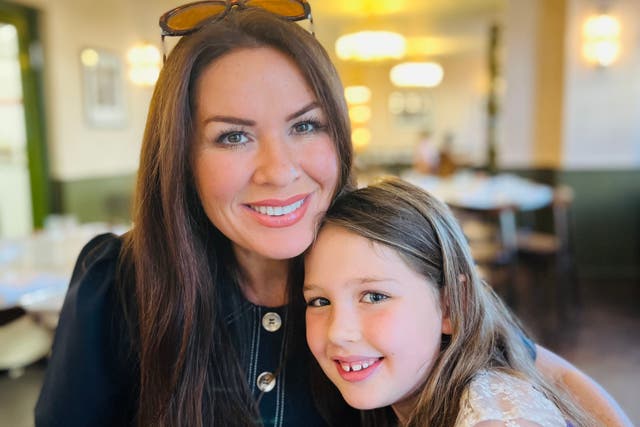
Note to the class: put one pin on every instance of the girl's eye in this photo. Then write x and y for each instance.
(374, 297)
(317, 302)
(232, 138)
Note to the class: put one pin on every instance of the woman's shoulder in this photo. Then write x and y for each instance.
(494, 395)
(102, 249)
(91, 374)
(94, 275)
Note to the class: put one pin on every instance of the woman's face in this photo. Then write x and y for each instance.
(373, 323)
(265, 166)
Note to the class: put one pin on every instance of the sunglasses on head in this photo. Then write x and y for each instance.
(191, 17)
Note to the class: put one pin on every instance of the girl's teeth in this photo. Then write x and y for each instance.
(356, 366)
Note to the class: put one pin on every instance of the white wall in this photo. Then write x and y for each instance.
(76, 148)
(517, 108)
(602, 106)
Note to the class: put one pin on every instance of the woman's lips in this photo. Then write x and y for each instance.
(280, 213)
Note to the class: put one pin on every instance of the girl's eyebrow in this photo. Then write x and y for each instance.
(358, 281)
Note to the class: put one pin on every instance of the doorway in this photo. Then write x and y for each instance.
(24, 180)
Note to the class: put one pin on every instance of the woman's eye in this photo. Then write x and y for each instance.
(374, 297)
(308, 126)
(232, 138)
(317, 302)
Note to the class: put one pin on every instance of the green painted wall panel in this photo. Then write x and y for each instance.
(98, 199)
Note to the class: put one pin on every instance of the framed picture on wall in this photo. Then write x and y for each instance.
(103, 88)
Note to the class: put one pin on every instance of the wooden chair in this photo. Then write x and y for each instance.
(491, 235)
(552, 251)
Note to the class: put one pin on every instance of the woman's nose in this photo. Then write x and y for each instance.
(276, 164)
(344, 326)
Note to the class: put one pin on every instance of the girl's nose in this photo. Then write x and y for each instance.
(344, 326)
(276, 164)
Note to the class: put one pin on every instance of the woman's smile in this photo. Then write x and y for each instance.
(265, 171)
(277, 214)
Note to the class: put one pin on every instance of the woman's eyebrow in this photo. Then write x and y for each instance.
(311, 106)
(246, 122)
(230, 119)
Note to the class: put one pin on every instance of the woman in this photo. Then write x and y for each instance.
(238, 161)
(183, 321)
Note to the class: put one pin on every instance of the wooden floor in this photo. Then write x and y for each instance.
(603, 340)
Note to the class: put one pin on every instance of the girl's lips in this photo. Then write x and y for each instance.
(356, 369)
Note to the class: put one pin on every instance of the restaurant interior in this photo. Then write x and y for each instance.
(522, 115)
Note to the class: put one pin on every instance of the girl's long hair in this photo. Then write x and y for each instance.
(485, 335)
(176, 264)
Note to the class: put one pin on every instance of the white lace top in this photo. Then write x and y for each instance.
(498, 396)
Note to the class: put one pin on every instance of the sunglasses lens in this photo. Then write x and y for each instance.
(191, 16)
(285, 8)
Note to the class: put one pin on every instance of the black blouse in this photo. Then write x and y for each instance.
(92, 379)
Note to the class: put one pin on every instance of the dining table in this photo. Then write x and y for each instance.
(504, 194)
(35, 270)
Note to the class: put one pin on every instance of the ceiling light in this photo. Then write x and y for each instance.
(371, 46)
(360, 113)
(361, 137)
(417, 74)
(357, 94)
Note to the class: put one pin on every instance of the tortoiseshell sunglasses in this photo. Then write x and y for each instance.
(190, 17)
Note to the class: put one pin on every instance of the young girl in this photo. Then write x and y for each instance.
(397, 317)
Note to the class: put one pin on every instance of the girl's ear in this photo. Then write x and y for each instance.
(446, 321)
(447, 329)
(446, 324)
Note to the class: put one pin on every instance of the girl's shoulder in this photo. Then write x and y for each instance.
(494, 395)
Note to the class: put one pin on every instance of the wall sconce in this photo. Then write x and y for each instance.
(370, 46)
(601, 40)
(144, 64)
(417, 74)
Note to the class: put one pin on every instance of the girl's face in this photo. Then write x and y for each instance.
(373, 324)
(265, 166)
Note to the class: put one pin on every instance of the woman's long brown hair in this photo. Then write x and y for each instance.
(178, 265)
(426, 235)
